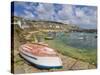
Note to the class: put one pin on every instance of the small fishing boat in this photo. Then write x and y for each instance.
(49, 38)
(40, 55)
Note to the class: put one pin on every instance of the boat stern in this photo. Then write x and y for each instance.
(49, 62)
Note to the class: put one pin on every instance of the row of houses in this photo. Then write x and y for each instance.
(50, 25)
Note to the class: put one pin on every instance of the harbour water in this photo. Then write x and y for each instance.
(79, 39)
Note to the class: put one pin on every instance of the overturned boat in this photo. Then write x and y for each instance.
(40, 55)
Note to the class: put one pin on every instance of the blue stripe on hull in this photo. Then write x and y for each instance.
(48, 67)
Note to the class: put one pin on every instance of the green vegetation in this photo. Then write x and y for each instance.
(73, 52)
(18, 34)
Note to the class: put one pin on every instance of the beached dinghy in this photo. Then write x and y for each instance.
(40, 55)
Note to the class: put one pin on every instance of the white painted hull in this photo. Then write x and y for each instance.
(42, 62)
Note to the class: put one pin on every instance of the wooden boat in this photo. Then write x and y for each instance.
(40, 55)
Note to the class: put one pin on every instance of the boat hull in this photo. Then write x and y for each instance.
(42, 62)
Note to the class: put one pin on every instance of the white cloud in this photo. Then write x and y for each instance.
(82, 16)
(79, 13)
(87, 16)
(45, 11)
(28, 14)
(66, 13)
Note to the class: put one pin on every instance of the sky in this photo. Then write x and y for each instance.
(79, 15)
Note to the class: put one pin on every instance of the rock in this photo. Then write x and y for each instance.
(19, 70)
(91, 66)
(16, 52)
(79, 65)
(68, 62)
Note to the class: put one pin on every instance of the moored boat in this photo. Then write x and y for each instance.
(40, 55)
(49, 38)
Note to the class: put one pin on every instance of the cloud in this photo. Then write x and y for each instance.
(86, 16)
(28, 15)
(66, 14)
(83, 16)
(45, 11)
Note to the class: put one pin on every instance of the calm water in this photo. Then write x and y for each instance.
(79, 39)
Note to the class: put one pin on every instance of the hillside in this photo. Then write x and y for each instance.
(38, 25)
